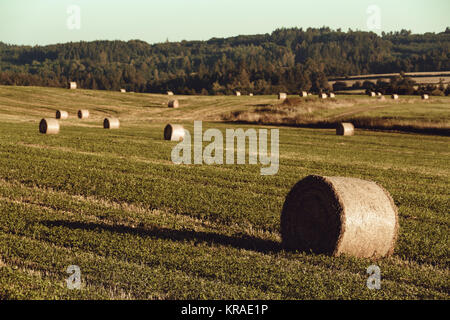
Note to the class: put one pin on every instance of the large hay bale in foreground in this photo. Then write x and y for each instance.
(60, 114)
(337, 215)
(174, 132)
(174, 104)
(111, 123)
(282, 96)
(83, 114)
(49, 126)
(345, 129)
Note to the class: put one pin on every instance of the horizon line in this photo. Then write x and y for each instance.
(230, 37)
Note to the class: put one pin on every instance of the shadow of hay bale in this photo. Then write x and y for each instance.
(239, 241)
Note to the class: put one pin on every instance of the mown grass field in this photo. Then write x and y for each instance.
(409, 113)
(140, 227)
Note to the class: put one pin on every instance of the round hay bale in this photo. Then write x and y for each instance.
(72, 85)
(60, 114)
(379, 94)
(322, 95)
(83, 114)
(425, 96)
(303, 94)
(238, 94)
(282, 96)
(169, 93)
(372, 94)
(250, 94)
(174, 132)
(345, 129)
(49, 126)
(174, 104)
(111, 123)
(394, 96)
(338, 215)
(332, 95)
(123, 90)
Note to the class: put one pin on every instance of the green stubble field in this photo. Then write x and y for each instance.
(139, 227)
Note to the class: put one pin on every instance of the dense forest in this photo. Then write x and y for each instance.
(287, 60)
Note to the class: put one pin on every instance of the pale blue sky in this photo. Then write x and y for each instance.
(42, 22)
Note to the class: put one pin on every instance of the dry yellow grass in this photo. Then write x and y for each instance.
(407, 114)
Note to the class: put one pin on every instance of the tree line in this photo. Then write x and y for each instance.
(287, 60)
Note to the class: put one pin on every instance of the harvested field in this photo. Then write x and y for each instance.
(140, 227)
(410, 114)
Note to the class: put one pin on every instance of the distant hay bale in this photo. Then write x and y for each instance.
(174, 132)
(83, 114)
(345, 129)
(303, 94)
(173, 104)
(250, 94)
(169, 93)
(111, 123)
(332, 95)
(282, 96)
(394, 96)
(379, 94)
(72, 85)
(322, 95)
(338, 215)
(123, 90)
(372, 94)
(60, 114)
(237, 93)
(425, 96)
(49, 126)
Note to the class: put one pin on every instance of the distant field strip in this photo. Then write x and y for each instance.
(409, 114)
